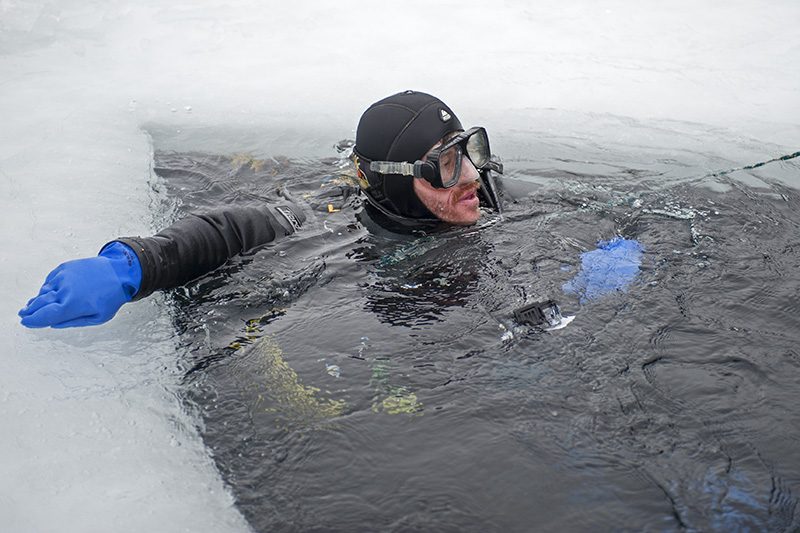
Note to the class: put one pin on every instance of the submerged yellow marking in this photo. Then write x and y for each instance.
(239, 160)
(279, 389)
(401, 401)
(389, 398)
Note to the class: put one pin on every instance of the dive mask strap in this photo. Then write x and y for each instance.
(419, 169)
(393, 167)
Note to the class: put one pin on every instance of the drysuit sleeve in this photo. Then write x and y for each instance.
(198, 244)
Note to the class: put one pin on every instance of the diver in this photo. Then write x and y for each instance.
(419, 171)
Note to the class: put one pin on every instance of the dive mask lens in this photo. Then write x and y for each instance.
(478, 148)
(450, 165)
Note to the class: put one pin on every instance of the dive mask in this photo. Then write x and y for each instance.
(442, 165)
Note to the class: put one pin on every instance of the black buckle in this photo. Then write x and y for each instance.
(538, 313)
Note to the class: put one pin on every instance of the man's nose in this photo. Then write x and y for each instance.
(468, 171)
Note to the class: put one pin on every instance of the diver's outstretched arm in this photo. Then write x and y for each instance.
(90, 291)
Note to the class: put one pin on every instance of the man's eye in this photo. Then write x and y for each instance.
(447, 159)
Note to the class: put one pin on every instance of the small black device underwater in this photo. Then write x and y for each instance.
(537, 313)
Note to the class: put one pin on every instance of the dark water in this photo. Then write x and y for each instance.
(352, 381)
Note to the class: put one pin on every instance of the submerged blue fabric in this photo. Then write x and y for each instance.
(609, 268)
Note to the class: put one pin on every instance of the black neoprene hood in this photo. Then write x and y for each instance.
(402, 127)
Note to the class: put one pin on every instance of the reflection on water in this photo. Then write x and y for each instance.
(392, 397)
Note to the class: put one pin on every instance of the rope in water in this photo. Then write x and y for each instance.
(786, 157)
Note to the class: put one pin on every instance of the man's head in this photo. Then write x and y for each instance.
(416, 164)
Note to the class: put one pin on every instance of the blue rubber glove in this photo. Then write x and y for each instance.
(85, 292)
(612, 267)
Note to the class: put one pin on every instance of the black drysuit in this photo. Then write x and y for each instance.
(198, 244)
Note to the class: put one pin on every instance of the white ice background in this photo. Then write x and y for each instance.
(92, 434)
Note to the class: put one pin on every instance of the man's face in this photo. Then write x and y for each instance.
(459, 204)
